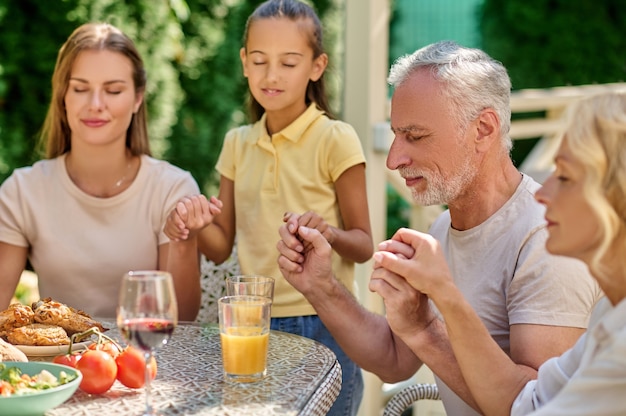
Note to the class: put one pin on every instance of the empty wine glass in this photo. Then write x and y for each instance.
(147, 315)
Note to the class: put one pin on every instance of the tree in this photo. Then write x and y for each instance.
(210, 75)
(215, 89)
(547, 43)
(26, 64)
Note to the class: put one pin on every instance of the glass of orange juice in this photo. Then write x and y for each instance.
(244, 332)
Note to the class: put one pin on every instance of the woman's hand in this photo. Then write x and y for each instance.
(191, 215)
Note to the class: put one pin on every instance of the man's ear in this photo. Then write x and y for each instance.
(487, 129)
(319, 66)
(243, 57)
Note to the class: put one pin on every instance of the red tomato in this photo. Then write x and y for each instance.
(99, 371)
(106, 346)
(67, 359)
(131, 367)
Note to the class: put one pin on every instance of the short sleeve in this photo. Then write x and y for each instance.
(344, 149)
(541, 279)
(12, 217)
(226, 161)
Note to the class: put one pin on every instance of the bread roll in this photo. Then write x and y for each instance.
(9, 353)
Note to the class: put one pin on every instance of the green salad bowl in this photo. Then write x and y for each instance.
(38, 403)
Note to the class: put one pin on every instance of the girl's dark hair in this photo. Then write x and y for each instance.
(293, 10)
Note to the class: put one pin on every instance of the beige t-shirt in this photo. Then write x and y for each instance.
(506, 274)
(80, 245)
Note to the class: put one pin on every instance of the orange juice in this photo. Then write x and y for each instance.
(244, 352)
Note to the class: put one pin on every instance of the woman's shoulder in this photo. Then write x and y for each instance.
(40, 169)
(163, 169)
(163, 175)
(156, 164)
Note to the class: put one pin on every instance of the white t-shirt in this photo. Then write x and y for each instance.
(503, 269)
(590, 378)
(80, 245)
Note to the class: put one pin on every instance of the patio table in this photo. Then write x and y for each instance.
(303, 378)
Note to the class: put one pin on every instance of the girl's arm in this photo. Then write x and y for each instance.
(216, 240)
(354, 241)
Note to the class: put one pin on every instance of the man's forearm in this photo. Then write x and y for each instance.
(363, 335)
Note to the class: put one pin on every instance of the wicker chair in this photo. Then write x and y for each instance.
(403, 399)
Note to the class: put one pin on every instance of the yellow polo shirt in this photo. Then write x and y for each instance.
(293, 170)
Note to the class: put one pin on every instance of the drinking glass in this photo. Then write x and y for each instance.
(147, 315)
(250, 285)
(244, 333)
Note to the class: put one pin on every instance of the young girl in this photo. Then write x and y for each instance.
(586, 218)
(295, 162)
(95, 207)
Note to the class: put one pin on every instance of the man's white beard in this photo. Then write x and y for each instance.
(439, 190)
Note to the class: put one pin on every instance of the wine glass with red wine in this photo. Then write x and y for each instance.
(147, 315)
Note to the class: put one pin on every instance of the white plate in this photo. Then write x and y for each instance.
(51, 350)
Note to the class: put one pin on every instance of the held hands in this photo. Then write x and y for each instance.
(309, 219)
(417, 258)
(190, 215)
(408, 268)
(305, 270)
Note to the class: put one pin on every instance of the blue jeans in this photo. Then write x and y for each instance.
(347, 404)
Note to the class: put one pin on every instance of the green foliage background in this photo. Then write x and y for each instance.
(191, 51)
(547, 43)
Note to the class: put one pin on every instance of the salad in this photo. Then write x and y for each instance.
(14, 383)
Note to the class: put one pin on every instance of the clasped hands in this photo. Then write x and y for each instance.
(408, 269)
(191, 215)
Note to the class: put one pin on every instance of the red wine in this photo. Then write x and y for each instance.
(146, 333)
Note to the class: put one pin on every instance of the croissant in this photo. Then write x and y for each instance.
(48, 311)
(15, 316)
(38, 334)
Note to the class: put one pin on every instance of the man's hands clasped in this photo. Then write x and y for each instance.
(409, 268)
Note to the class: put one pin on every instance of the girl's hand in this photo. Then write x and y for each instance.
(191, 215)
(175, 228)
(289, 233)
(310, 271)
(309, 219)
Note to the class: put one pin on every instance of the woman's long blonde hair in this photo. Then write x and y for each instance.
(55, 133)
(596, 135)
